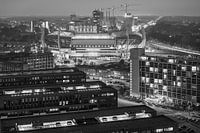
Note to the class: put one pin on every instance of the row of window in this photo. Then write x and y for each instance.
(170, 60)
(91, 46)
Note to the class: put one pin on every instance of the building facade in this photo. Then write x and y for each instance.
(58, 98)
(11, 66)
(52, 90)
(41, 77)
(89, 45)
(173, 79)
(83, 28)
(33, 61)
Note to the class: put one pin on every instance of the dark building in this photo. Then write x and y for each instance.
(52, 41)
(58, 98)
(52, 90)
(97, 17)
(172, 79)
(41, 78)
(33, 61)
(137, 119)
(11, 66)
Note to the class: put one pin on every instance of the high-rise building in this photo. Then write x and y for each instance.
(171, 79)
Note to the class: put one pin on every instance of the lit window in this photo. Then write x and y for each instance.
(147, 63)
(168, 129)
(171, 60)
(179, 84)
(165, 88)
(153, 59)
(165, 76)
(174, 72)
(159, 130)
(147, 80)
(194, 68)
(183, 68)
(151, 85)
(143, 79)
(160, 81)
(143, 58)
(164, 70)
(93, 101)
(151, 69)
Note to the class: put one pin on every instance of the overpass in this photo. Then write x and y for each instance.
(174, 48)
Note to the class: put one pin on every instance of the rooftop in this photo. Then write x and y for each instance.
(93, 36)
(39, 72)
(67, 88)
(142, 117)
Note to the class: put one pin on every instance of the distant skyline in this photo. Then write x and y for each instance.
(85, 7)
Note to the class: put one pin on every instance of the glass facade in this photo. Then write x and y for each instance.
(176, 78)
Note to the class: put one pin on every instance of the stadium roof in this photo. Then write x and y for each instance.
(93, 36)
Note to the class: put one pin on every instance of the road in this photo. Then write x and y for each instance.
(173, 48)
(124, 103)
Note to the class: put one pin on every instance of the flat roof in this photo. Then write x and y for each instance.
(158, 122)
(89, 124)
(40, 72)
(81, 114)
(93, 36)
(62, 33)
(64, 88)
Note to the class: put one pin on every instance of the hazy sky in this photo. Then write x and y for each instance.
(85, 7)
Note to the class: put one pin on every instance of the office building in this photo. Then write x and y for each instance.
(33, 61)
(172, 79)
(137, 119)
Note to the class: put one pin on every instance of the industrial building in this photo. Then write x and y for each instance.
(52, 90)
(33, 100)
